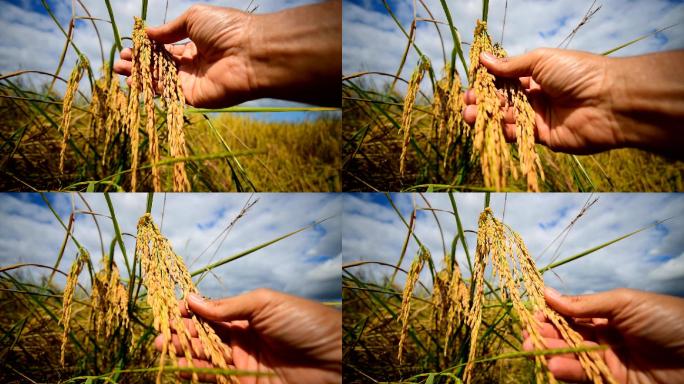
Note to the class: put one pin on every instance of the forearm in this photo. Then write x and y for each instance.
(648, 101)
(297, 53)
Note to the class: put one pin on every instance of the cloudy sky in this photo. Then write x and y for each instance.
(373, 42)
(30, 39)
(650, 260)
(306, 264)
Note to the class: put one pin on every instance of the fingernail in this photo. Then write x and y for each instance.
(195, 297)
(552, 293)
(488, 56)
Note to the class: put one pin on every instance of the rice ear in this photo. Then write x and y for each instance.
(164, 272)
(409, 100)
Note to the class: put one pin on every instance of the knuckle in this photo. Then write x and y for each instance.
(196, 8)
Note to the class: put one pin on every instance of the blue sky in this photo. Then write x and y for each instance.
(651, 260)
(529, 24)
(30, 40)
(306, 264)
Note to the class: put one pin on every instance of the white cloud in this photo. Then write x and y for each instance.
(539, 218)
(300, 264)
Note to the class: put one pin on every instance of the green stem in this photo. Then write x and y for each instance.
(117, 39)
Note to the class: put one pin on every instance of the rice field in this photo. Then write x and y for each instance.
(417, 140)
(455, 311)
(101, 323)
(100, 135)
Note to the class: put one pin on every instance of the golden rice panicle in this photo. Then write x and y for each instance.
(485, 238)
(98, 107)
(459, 297)
(116, 114)
(110, 301)
(68, 297)
(488, 139)
(72, 87)
(173, 99)
(517, 273)
(409, 100)
(455, 124)
(411, 280)
(164, 272)
(440, 103)
(145, 61)
(140, 75)
(530, 165)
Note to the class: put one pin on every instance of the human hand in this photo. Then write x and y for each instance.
(643, 333)
(567, 90)
(298, 340)
(588, 103)
(235, 56)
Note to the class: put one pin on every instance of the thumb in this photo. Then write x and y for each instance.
(604, 304)
(171, 32)
(241, 307)
(514, 66)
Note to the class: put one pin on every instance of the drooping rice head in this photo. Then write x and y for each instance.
(164, 272)
(174, 101)
(98, 108)
(409, 100)
(459, 298)
(68, 297)
(411, 280)
(517, 274)
(516, 98)
(116, 121)
(140, 79)
(488, 139)
(109, 301)
(72, 87)
(458, 131)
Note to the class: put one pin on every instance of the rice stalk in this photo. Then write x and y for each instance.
(68, 297)
(411, 280)
(511, 262)
(164, 272)
(72, 87)
(409, 100)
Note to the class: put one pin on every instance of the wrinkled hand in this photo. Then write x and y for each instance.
(298, 340)
(233, 56)
(215, 67)
(644, 333)
(568, 91)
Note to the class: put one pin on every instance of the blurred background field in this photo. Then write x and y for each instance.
(278, 151)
